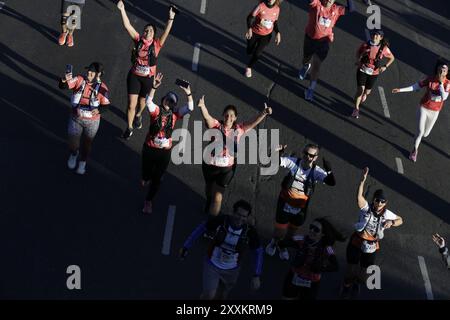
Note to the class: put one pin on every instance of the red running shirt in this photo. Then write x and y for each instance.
(265, 19)
(321, 20)
(75, 84)
(432, 99)
(369, 68)
(141, 67)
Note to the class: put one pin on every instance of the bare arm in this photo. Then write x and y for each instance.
(168, 27)
(210, 121)
(126, 22)
(360, 198)
(250, 125)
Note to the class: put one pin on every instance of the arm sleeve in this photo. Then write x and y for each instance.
(150, 105)
(258, 252)
(186, 109)
(195, 235)
(251, 18)
(416, 86)
(275, 27)
(287, 162)
(444, 94)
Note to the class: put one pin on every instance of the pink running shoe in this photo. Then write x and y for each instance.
(413, 156)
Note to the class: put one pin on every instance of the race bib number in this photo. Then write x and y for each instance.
(368, 247)
(84, 113)
(222, 161)
(300, 282)
(325, 22)
(143, 70)
(436, 98)
(161, 142)
(289, 209)
(367, 70)
(268, 24)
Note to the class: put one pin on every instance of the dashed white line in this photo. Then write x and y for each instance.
(426, 279)
(384, 102)
(196, 57)
(168, 231)
(203, 7)
(399, 165)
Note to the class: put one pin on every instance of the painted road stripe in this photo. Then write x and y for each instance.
(384, 102)
(203, 7)
(196, 57)
(399, 165)
(184, 132)
(168, 231)
(426, 279)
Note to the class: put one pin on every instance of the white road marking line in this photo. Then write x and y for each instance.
(399, 165)
(184, 127)
(196, 57)
(203, 7)
(426, 279)
(367, 34)
(168, 231)
(384, 102)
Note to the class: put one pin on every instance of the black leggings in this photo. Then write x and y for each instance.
(255, 47)
(154, 164)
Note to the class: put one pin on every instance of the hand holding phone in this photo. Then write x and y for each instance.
(174, 8)
(182, 83)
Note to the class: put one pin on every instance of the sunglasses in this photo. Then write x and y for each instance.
(380, 200)
(309, 154)
(314, 228)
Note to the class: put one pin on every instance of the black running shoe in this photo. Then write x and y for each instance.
(127, 133)
(137, 122)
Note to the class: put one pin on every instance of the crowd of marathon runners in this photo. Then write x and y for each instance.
(230, 234)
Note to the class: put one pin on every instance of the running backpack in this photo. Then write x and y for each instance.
(221, 234)
(308, 185)
(377, 61)
(156, 125)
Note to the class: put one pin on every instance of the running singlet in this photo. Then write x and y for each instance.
(141, 67)
(225, 159)
(160, 141)
(372, 50)
(83, 99)
(226, 256)
(265, 19)
(321, 20)
(303, 275)
(432, 99)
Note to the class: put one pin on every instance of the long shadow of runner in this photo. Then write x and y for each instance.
(52, 218)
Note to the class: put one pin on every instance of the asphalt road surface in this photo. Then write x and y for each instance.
(51, 218)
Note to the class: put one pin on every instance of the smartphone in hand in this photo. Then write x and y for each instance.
(182, 83)
(175, 9)
(69, 68)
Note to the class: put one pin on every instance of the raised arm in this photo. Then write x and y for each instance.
(190, 105)
(149, 100)
(168, 27)
(413, 87)
(210, 121)
(250, 125)
(126, 22)
(360, 198)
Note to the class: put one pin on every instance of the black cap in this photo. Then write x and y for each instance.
(377, 31)
(172, 96)
(95, 67)
(379, 194)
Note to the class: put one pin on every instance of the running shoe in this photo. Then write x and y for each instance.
(309, 94)
(70, 40)
(72, 162)
(137, 122)
(271, 248)
(413, 156)
(248, 73)
(62, 38)
(303, 72)
(81, 167)
(284, 254)
(147, 207)
(127, 133)
(355, 113)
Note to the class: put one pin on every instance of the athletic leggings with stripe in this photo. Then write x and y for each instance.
(154, 164)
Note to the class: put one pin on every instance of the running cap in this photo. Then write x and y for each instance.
(379, 194)
(172, 96)
(377, 31)
(95, 67)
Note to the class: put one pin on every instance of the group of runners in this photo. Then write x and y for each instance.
(311, 254)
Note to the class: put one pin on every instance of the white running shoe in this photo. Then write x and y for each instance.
(72, 162)
(81, 167)
(271, 248)
(284, 254)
